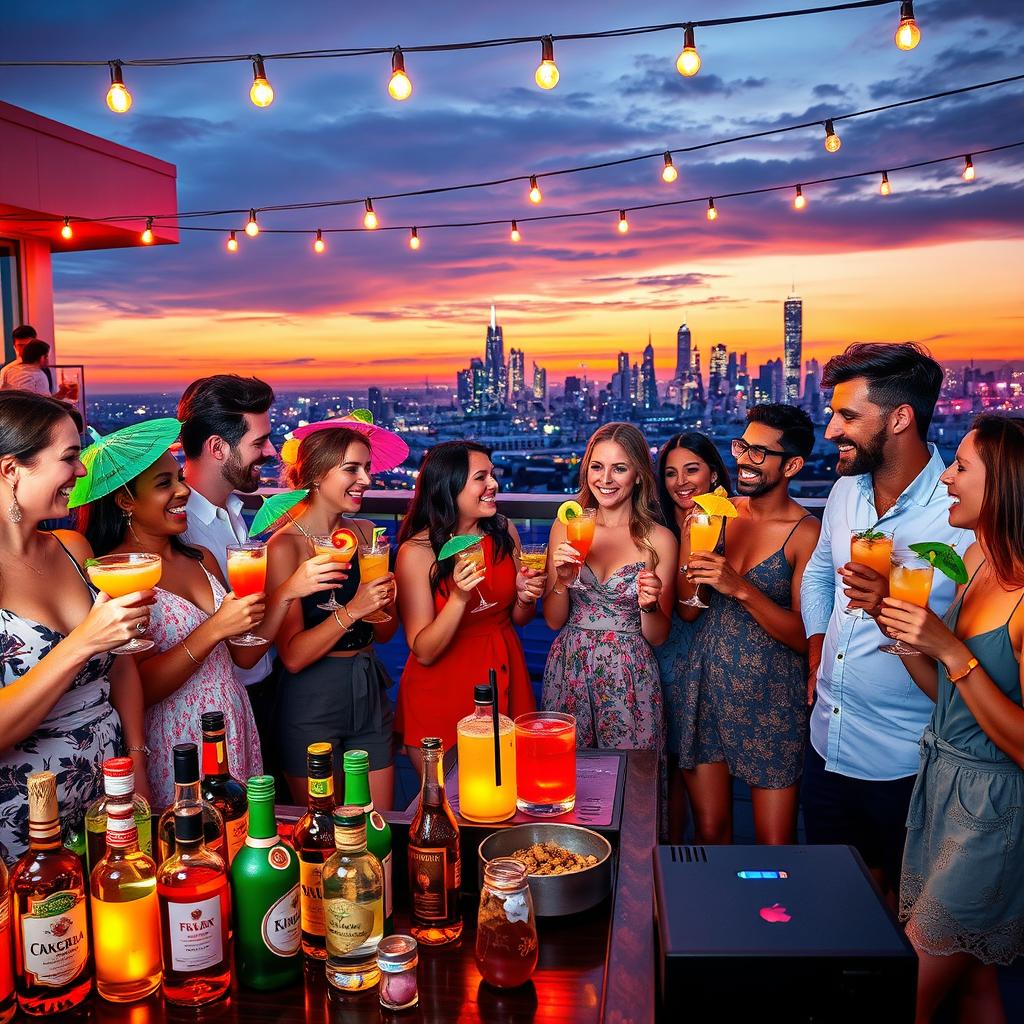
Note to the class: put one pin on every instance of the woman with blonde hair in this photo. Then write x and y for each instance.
(613, 602)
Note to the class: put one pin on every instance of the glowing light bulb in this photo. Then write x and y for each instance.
(252, 229)
(319, 245)
(669, 172)
(232, 243)
(147, 235)
(261, 92)
(119, 99)
(414, 239)
(908, 35)
(799, 202)
(832, 141)
(968, 171)
(515, 236)
(66, 232)
(535, 193)
(688, 62)
(370, 218)
(546, 75)
(623, 223)
(712, 212)
(885, 188)
(399, 87)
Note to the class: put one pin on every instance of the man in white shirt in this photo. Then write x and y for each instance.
(28, 373)
(20, 337)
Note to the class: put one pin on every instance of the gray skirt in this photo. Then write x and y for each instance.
(341, 701)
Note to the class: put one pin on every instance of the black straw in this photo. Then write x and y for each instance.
(493, 679)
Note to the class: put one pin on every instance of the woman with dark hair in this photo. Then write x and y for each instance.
(451, 649)
(66, 702)
(688, 465)
(962, 890)
(601, 667)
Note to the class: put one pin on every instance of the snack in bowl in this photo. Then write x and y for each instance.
(552, 859)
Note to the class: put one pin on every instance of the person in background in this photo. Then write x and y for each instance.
(601, 667)
(30, 373)
(688, 465)
(962, 890)
(20, 337)
(745, 687)
(66, 702)
(451, 648)
(868, 716)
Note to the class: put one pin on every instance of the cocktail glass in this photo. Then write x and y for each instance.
(910, 580)
(323, 545)
(579, 532)
(373, 563)
(872, 548)
(247, 575)
(533, 557)
(545, 763)
(118, 575)
(705, 532)
(475, 554)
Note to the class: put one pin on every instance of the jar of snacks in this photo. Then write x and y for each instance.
(397, 957)
(506, 931)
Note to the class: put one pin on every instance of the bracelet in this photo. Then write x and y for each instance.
(344, 628)
(139, 750)
(190, 654)
(555, 590)
(968, 669)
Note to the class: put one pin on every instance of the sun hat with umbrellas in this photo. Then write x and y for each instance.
(121, 456)
(387, 449)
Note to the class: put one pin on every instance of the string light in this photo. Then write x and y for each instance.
(515, 236)
(623, 223)
(147, 234)
(908, 35)
(799, 202)
(832, 141)
(688, 62)
(232, 243)
(414, 240)
(968, 171)
(535, 193)
(66, 232)
(319, 245)
(546, 75)
(399, 87)
(119, 99)
(252, 229)
(370, 221)
(260, 92)
(669, 172)
(712, 212)
(885, 188)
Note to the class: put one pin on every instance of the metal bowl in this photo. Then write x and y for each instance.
(556, 895)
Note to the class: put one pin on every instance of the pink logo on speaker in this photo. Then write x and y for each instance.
(775, 914)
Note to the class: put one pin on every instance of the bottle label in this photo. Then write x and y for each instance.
(311, 900)
(321, 787)
(235, 834)
(281, 930)
(54, 939)
(347, 925)
(428, 868)
(196, 930)
(122, 831)
(386, 865)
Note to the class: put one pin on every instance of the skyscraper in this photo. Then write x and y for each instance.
(464, 390)
(516, 373)
(683, 354)
(718, 370)
(375, 403)
(621, 379)
(540, 385)
(480, 388)
(648, 380)
(793, 323)
(696, 375)
(494, 365)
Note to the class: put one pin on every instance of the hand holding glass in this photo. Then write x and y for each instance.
(323, 545)
(579, 532)
(872, 548)
(910, 580)
(247, 575)
(373, 564)
(705, 532)
(120, 575)
(475, 555)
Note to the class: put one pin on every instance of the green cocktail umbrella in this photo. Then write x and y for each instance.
(457, 544)
(273, 508)
(943, 557)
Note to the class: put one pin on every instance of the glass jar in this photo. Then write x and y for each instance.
(397, 957)
(506, 931)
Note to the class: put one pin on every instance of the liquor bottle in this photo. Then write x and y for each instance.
(8, 1000)
(265, 897)
(125, 912)
(51, 938)
(96, 815)
(435, 869)
(353, 885)
(356, 764)
(219, 787)
(195, 906)
(186, 794)
(313, 839)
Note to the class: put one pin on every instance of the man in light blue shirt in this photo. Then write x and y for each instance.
(869, 715)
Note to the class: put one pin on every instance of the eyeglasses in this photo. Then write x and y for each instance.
(757, 453)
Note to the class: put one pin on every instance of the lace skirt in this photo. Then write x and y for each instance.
(962, 889)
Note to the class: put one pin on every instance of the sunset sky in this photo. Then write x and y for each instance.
(937, 262)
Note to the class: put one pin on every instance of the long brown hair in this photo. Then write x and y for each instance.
(319, 453)
(1000, 444)
(644, 511)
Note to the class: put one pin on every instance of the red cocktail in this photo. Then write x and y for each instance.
(545, 763)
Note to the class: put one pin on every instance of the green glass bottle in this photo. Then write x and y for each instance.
(356, 764)
(265, 898)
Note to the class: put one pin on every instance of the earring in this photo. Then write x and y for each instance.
(14, 509)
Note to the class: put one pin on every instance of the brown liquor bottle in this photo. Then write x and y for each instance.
(8, 999)
(51, 934)
(220, 787)
(435, 869)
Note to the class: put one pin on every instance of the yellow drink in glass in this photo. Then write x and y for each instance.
(704, 531)
(479, 798)
(373, 564)
(534, 557)
(874, 552)
(910, 580)
(475, 556)
(126, 574)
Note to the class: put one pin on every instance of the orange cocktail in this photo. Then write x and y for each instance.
(373, 564)
(324, 545)
(910, 580)
(705, 531)
(476, 557)
(872, 548)
(545, 763)
(579, 532)
(247, 575)
(120, 575)
(534, 557)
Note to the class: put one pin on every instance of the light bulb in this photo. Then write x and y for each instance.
(261, 92)
(623, 223)
(119, 99)
(515, 236)
(832, 141)
(669, 172)
(232, 243)
(799, 202)
(535, 193)
(688, 62)
(968, 171)
(252, 229)
(370, 218)
(546, 75)
(66, 232)
(399, 87)
(885, 188)
(147, 235)
(712, 212)
(319, 245)
(908, 35)
(414, 239)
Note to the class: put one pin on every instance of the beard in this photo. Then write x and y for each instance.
(755, 488)
(866, 457)
(244, 478)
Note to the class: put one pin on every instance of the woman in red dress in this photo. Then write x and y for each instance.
(453, 642)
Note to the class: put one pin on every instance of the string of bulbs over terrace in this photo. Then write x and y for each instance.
(261, 92)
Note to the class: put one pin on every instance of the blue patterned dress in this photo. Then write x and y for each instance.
(673, 657)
